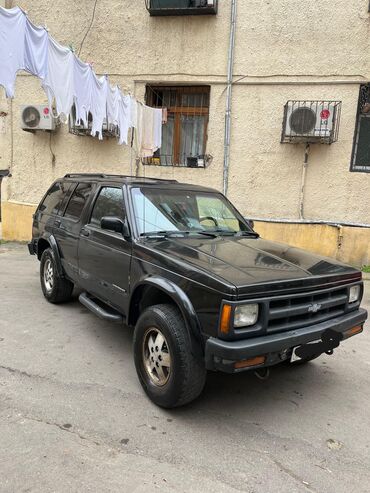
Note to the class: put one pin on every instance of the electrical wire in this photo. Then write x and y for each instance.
(89, 28)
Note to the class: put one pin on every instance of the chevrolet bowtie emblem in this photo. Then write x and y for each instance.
(314, 308)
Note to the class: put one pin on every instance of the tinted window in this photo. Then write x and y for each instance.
(108, 203)
(54, 198)
(78, 201)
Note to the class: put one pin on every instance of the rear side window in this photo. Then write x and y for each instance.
(78, 201)
(108, 203)
(54, 198)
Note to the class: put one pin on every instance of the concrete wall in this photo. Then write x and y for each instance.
(282, 52)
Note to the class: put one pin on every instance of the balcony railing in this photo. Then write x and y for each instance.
(181, 7)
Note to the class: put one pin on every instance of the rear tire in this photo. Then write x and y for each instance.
(56, 289)
(168, 372)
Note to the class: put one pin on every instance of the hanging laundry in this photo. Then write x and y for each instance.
(12, 42)
(83, 81)
(158, 122)
(113, 101)
(36, 50)
(98, 107)
(124, 120)
(59, 82)
(68, 80)
(148, 135)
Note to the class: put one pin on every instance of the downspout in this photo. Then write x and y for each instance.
(229, 89)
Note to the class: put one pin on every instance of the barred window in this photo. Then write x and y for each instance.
(184, 132)
(361, 144)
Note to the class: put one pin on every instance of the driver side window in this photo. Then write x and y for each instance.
(109, 203)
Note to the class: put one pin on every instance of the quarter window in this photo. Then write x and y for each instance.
(108, 203)
(54, 198)
(184, 131)
(78, 201)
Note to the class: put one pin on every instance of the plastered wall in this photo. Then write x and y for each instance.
(318, 51)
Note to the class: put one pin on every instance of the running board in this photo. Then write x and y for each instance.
(100, 309)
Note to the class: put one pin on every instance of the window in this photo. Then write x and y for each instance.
(54, 198)
(78, 201)
(181, 7)
(361, 145)
(108, 203)
(184, 135)
(184, 210)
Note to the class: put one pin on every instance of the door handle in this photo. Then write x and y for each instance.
(85, 232)
(57, 223)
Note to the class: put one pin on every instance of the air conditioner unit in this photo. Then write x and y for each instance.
(38, 117)
(311, 122)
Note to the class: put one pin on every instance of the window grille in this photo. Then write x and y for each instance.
(184, 132)
(361, 144)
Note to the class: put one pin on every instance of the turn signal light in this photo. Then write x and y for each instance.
(225, 319)
(354, 331)
(256, 361)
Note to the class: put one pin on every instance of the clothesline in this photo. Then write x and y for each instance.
(71, 83)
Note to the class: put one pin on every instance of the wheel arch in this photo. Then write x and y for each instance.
(157, 290)
(43, 244)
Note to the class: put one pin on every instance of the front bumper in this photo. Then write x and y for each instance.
(221, 355)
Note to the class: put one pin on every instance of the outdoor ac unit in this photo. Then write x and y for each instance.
(311, 121)
(37, 117)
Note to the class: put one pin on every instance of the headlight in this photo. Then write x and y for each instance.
(246, 315)
(354, 294)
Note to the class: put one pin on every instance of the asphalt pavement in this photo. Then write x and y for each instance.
(73, 417)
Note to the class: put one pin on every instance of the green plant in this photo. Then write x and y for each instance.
(366, 268)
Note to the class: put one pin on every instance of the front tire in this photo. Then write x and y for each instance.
(168, 372)
(56, 289)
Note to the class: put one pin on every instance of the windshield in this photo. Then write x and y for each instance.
(160, 211)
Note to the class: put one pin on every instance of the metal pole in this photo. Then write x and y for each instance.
(303, 182)
(230, 66)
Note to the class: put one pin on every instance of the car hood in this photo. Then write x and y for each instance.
(248, 261)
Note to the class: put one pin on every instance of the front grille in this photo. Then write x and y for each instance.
(306, 309)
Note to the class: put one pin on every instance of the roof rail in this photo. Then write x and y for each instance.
(103, 175)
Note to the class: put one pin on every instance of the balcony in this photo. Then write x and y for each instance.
(181, 7)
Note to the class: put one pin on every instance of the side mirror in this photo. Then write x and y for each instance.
(250, 223)
(114, 224)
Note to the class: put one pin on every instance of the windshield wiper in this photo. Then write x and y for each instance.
(169, 234)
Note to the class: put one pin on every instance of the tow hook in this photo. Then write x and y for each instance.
(262, 373)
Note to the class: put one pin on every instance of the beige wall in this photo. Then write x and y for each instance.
(282, 52)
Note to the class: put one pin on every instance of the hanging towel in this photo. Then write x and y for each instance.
(36, 50)
(124, 118)
(148, 135)
(59, 83)
(83, 81)
(113, 101)
(98, 107)
(12, 42)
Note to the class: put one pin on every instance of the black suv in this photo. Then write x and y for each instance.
(203, 291)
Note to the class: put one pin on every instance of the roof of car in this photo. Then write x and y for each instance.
(134, 180)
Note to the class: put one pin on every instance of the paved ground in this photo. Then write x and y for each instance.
(73, 417)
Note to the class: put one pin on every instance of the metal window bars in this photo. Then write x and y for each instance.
(181, 7)
(360, 159)
(311, 122)
(184, 134)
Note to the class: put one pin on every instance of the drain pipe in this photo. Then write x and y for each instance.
(230, 67)
(303, 182)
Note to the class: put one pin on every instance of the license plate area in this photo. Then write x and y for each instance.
(330, 339)
(295, 356)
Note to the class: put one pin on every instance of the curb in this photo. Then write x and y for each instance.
(366, 276)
